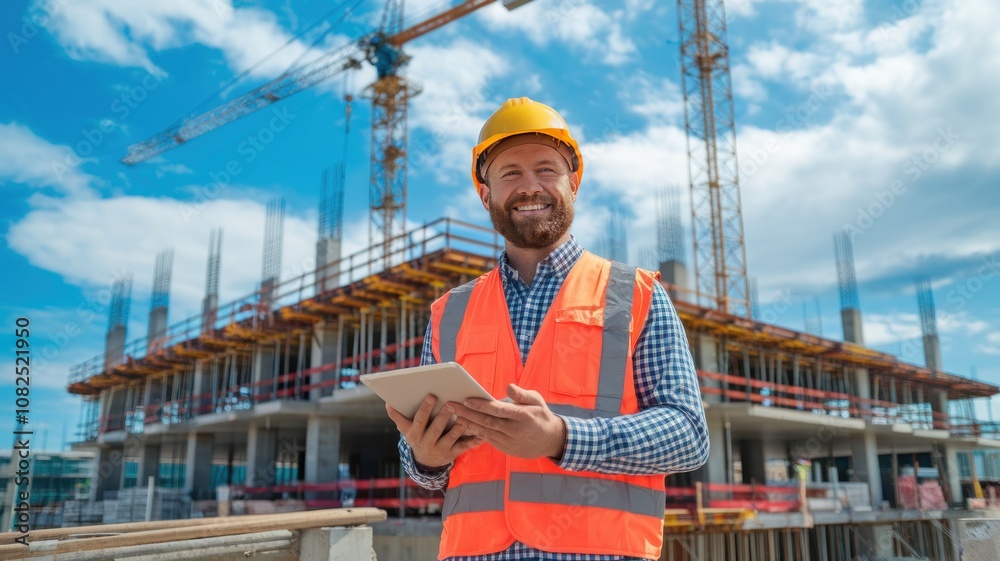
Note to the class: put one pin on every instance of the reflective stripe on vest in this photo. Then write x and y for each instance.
(473, 497)
(569, 490)
(451, 319)
(614, 340)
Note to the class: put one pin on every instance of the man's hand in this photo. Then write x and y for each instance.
(525, 428)
(432, 447)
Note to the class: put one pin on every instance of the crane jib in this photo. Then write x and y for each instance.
(381, 51)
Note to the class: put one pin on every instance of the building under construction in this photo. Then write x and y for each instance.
(822, 449)
(260, 396)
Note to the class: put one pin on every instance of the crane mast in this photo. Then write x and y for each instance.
(390, 95)
(716, 215)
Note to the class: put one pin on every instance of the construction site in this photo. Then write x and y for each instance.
(822, 449)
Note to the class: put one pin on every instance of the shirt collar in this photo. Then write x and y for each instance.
(557, 263)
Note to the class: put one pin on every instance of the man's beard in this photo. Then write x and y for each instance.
(532, 233)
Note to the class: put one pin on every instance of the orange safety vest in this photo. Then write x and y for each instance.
(581, 363)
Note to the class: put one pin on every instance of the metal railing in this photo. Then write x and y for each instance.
(441, 234)
(837, 404)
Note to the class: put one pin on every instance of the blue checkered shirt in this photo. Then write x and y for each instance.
(668, 435)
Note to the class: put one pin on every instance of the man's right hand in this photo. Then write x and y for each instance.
(433, 447)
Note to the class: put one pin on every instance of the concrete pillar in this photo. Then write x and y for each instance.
(932, 352)
(754, 461)
(864, 460)
(337, 544)
(716, 469)
(147, 392)
(115, 416)
(324, 352)
(198, 466)
(876, 542)
(264, 372)
(261, 448)
(851, 318)
(706, 357)
(201, 388)
(209, 309)
(954, 481)
(939, 405)
(675, 273)
(107, 472)
(863, 384)
(114, 347)
(327, 264)
(322, 461)
(157, 329)
(322, 449)
(149, 464)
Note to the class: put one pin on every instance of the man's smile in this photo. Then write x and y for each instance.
(536, 208)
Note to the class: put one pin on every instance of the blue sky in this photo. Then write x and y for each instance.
(837, 104)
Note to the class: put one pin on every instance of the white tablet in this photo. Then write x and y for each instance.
(406, 388)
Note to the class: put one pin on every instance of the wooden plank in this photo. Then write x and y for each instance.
(223, 527)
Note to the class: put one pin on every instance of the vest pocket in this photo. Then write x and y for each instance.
(477, 353)
(576, 351)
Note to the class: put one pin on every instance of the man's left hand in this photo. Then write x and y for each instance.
(524, 428)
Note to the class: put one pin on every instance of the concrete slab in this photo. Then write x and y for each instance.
(113, 437)
(894, 428)
(751, 420)
(353, 402)
(932, 434)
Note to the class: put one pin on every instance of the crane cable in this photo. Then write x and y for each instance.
(241, 75)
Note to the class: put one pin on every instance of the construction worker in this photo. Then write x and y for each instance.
(603, 395)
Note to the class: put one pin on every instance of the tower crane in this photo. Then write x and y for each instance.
(720, 260)
(389, 93)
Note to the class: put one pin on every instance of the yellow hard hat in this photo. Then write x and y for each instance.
(523, 116)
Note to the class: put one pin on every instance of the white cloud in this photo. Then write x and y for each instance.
(745, 85)
(888, 329)
(658, 100)
(775, 60)
(991, 346)
(743, 8)
(960, 323)
(578, 24)
(453, 105)
(164, 168)
(70, 238)
(903, 330)
(902, 112)
(125, 33)
(33, 161)
(824, 16)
